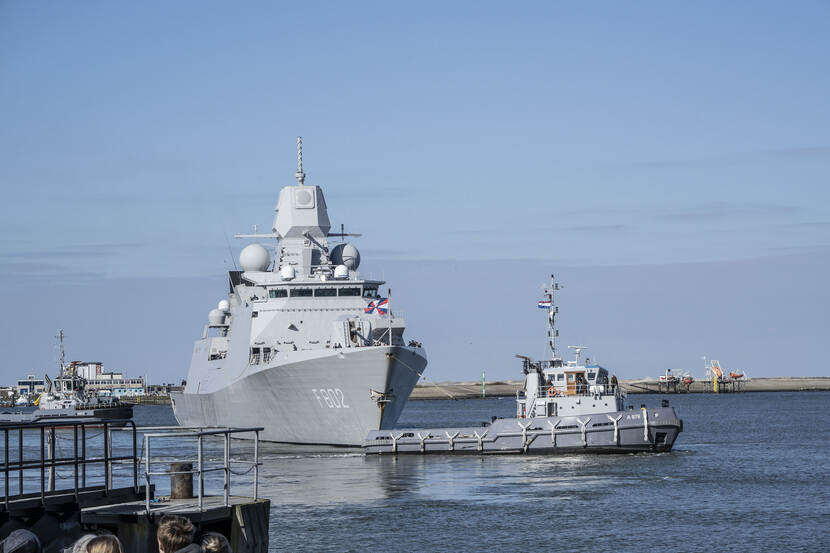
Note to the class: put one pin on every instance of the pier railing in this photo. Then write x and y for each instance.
(203, 467)
(20, 438)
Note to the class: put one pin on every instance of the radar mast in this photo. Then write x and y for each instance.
(553, 310)
(299, 174)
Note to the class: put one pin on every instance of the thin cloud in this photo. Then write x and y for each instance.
(807, 224)
(82, 250)
(594, 228)
(718, 210)
(752, 155)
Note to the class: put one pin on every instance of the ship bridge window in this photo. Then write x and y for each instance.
(278, 293)
(560, 376)
(349, 291)
(370, 292)
(591, 376)
(325, 292)
(301, 292)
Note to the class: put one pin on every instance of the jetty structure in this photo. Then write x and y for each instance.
(563, 407)
(64, 478)
(303, 345)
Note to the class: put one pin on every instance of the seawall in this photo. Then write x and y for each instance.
(504, 388)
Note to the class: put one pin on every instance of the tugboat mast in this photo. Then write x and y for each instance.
(553, 309)
(63, 353)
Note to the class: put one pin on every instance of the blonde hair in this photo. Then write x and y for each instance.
(104, 544)
(214, 542)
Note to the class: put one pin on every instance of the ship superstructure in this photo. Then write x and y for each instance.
(303, 345)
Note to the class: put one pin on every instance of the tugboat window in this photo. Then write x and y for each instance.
(591, 376)
(278, 293)
(325, 292)
(301, 292)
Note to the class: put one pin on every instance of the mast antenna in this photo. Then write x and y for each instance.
(553, 310)
(60, 344)
(299, 174)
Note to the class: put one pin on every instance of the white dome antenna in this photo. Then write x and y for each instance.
(299, 174)
(254, 257)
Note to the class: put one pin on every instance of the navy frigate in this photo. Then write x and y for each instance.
(564, 407)
(303, 345)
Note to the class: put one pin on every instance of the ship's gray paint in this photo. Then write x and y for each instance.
(282, 397)
(543, 435)
(316, 369)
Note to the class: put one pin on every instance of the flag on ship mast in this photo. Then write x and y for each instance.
(544, 304)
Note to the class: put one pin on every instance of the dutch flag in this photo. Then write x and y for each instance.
(544, 304)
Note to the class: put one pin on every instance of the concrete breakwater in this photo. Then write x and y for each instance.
(504, 388)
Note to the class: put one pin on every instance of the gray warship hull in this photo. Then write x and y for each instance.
(614, 432)
(322, 397)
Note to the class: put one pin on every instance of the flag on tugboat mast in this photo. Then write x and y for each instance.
(544, 304)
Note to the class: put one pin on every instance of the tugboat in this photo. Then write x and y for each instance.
(564, 407)
(67, 397)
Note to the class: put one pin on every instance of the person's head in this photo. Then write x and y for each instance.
(104, 544)
(80, 544)
(214, 542)
(21, 541)
(174, 533)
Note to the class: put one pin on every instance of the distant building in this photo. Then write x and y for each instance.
(164, 389)
(103, 383)
(87, 369)
(31, 385)
(114, 384)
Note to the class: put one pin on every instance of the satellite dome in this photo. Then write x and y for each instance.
(336, 254)
(254, 257)
(287, 273)
(224, 306)
(346, 254)
(216, 317)
(341, 272)
(351, 257)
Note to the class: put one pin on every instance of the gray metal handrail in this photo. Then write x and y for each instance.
(48, 461)
(199, 433)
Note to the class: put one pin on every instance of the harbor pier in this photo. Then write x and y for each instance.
(65, 478)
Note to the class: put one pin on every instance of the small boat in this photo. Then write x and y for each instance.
(67, 397)
(564, 407)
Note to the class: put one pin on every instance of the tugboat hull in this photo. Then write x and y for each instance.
(615, 432)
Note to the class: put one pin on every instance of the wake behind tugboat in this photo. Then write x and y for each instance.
(565, 407)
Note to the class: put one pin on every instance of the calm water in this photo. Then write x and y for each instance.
(749, 473)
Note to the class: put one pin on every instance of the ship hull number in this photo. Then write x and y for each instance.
(332, 398)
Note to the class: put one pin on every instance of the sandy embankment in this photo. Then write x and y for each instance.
(503, 388)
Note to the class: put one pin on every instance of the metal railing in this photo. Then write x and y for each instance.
(202, 468)
(46, 434)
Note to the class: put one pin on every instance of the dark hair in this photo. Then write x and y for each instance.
(174, 533)
(214, 542)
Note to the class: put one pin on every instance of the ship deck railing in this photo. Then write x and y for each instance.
(553, 392)
(203, 467)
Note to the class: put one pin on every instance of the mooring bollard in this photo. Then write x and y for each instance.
(181, 480)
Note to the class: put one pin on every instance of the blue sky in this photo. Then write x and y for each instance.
(477, 146)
